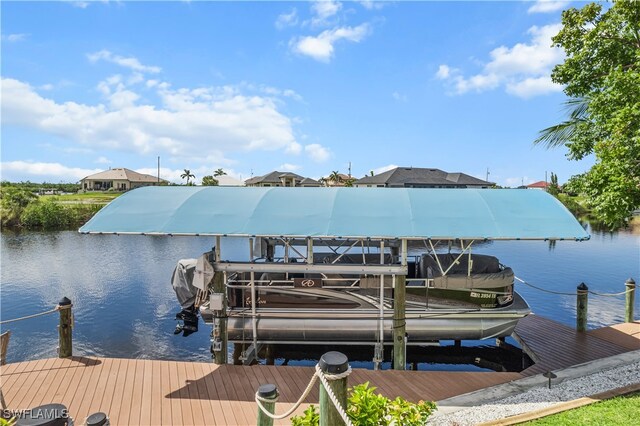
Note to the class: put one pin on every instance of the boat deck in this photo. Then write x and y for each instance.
(147, 392)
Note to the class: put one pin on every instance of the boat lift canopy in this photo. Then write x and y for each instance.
(376, 213)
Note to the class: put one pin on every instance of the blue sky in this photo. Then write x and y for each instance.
(257, 86)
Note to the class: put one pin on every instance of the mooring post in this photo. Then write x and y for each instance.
(399, 314)
(333, 363)
(399, 323)
(268, 395)
(581, 306)
(630, 286)
(220, 333)
(65, 346)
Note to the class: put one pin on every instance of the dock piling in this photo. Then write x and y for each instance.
(65, 345)
(220, 334)
(267, 395)
(630, 286)
(333, 363)
(399, 323)
(581, 306)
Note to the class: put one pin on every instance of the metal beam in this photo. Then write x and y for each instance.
(302, 268)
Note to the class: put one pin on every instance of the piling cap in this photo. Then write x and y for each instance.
(64, 301)
(583, 287)
(333, 362)
(97, 419)
(268, 391)
(630, 282)
(44, 415)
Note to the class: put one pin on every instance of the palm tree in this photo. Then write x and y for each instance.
(560, 134)
(187, 175)
(219, 172)
(335, 177)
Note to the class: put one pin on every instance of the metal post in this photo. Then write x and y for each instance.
(581, 306)
(267, 392)
(630, 286)
(333, 363)
(65, 345)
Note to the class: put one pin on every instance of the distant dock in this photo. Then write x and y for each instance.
(139, 391)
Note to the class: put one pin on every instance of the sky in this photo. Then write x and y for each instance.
(308, 87)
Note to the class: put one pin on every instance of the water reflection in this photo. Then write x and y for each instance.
(124, 305)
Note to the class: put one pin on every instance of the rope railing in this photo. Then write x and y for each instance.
(50, 311)
(562, 293)
(325, 378)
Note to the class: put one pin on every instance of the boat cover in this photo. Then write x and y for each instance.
(412, 213)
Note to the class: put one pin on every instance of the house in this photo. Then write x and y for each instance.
(309, 183)
(340, 180)
(539, 185)
(275, 179)
(118, 179)
(416, 177)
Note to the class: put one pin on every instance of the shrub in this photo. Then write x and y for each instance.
(365, 408)
(46, 215)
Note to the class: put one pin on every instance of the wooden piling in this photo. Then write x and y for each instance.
(65, 345)
(581, 306)
(4, 344)
(333, 363)
(399, 323)
(630, 286)
(399, 314)
(269, 395)
(220, 356)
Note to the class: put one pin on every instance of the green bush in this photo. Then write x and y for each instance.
(46, 215)
(365, 408)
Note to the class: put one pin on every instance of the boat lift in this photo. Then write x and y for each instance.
(305, 221)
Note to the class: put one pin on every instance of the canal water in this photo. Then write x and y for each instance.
(124, 305)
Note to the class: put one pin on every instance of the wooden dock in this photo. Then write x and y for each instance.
(146, 392)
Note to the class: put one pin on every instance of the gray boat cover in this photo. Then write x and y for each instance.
(485, 271)
(182, 282)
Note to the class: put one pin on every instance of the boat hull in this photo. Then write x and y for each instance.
(348, 326)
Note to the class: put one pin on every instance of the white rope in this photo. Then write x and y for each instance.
(595, 293)
(306, 392)
(324, 378)
(56, 309)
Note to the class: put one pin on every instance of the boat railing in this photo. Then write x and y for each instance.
(290, 283)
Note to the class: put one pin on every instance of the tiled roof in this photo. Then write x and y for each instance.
(401, 176)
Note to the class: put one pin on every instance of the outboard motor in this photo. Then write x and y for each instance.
(186, 292)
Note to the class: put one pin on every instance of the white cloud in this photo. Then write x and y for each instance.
(103, 160)
(49, 170)
(372, 4)
(287, 19)
(323, 10)
(80, 4)
(317, 152)
(533, 86)
(399, 97)
(523, 70)
(321, 47)
(547, 6)
(289, 167)
(384, 169)
(293, 148)
(130, 62)
(200, 123)
(12, 38)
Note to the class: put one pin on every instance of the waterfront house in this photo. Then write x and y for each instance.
(276, 178)
(539, 185)
(118, 179)
(417, 177)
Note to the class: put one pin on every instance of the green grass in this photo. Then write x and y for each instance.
(622, 410)
(84, 198)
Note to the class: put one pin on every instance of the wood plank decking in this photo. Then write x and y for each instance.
(146, 392)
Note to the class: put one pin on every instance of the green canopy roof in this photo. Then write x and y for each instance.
(339, 212)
